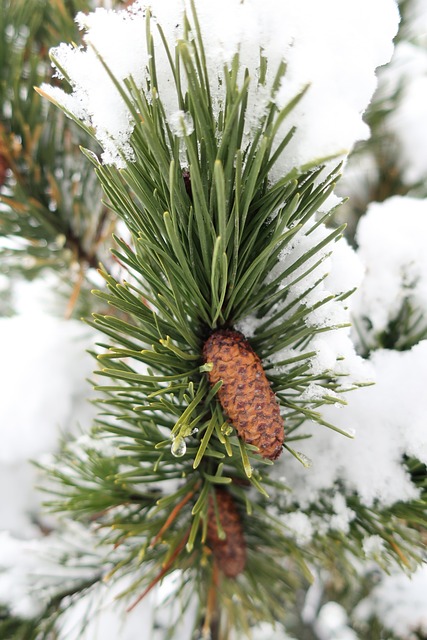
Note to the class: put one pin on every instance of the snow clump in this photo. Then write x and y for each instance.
(391, 238)
(334, 54)
(399, 601)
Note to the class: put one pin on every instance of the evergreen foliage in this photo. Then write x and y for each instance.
(51, 213)
(206, 227)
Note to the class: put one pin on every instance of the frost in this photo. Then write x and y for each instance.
(329, 116)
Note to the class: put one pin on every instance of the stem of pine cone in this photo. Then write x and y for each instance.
(211, 625)
(215, 627)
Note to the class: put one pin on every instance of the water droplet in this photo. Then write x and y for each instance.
(227, 429)
(195, 430)
(305, 460)
(179, 447)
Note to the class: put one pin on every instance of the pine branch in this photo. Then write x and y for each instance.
(212, 244)
(51, 209)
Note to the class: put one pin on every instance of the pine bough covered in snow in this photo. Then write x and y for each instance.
(222, 126)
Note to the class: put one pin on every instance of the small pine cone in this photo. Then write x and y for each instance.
(229, 553)
(245, 395)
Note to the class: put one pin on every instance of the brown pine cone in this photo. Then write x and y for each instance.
(246, 395)
(230, 553)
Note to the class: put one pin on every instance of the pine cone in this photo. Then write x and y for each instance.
(246, 395)
(230, 553)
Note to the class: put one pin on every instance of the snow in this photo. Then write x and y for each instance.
(101, 613)
(329, 116)
(373, 546)
(336, 517)
(300, 526)
(19, 559)
(181, 123)
(400, 603)
(402, 89)
(98, 614)
(332, 623)
(44, 395)
(391, 238)
(34, 571)
(44, 367)
(265, 631)
(389, 422)
(408, 62)
(20, 503)
(360, 179)
(339, 271)
(401, 135)
(388, 418)
(416, 22)
(43, 379)
(408, 123)
(347, 269)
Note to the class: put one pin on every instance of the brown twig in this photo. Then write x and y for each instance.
(162, 572)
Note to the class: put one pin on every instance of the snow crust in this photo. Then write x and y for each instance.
(336, 52)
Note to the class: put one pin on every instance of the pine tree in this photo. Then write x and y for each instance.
(217, 270)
